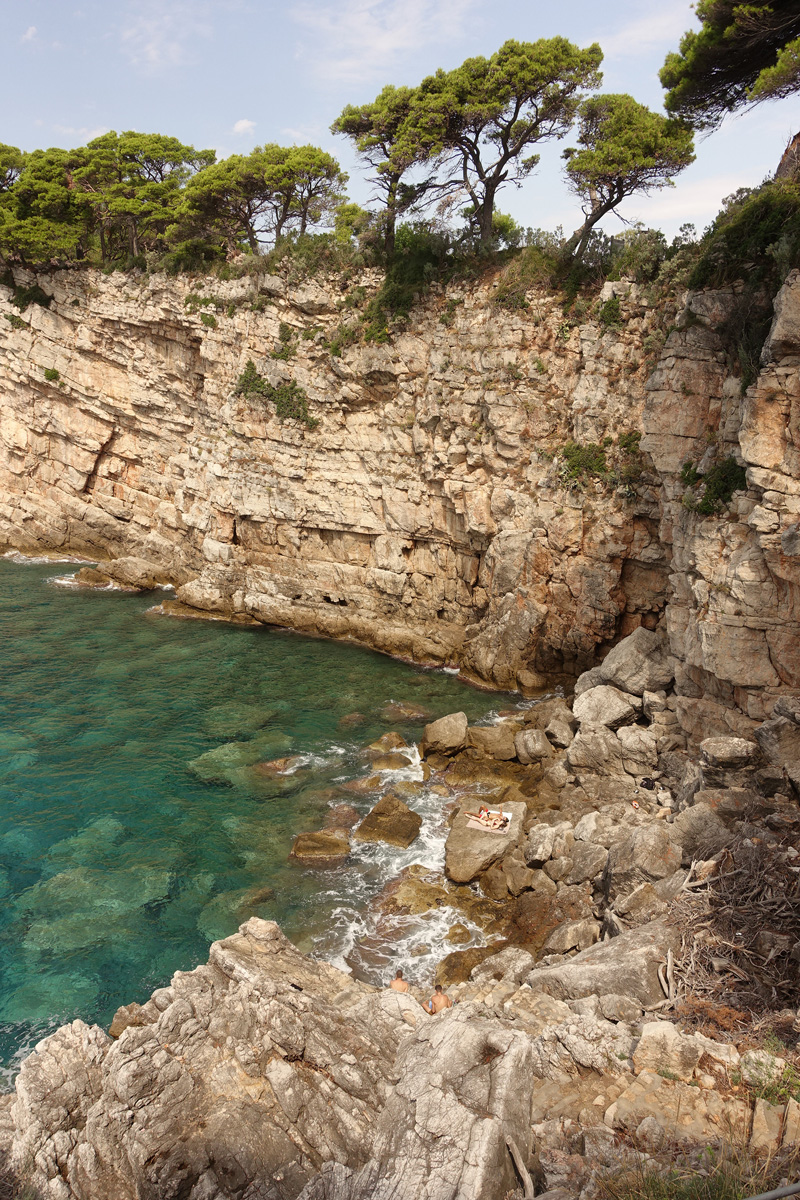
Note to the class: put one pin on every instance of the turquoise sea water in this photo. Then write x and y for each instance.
(120, 862)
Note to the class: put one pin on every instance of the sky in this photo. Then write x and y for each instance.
(232, 74)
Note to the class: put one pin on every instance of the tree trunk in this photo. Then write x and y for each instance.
(485, 215)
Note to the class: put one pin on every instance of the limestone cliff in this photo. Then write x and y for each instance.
(431, 512)
(426, 515)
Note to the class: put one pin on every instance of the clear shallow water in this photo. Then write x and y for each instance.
(119, 862)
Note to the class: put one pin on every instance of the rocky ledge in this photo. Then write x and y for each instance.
(649, 903)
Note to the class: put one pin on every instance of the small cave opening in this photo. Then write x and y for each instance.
(331, 600)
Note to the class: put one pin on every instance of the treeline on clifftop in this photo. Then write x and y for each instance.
(439, 155)
(448, 145)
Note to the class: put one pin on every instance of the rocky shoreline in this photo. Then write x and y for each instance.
(613, 1014)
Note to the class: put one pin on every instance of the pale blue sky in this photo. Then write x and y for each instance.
(231, 74)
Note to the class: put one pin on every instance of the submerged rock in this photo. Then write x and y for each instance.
(321, 849)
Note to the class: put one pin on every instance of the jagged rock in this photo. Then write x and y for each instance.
(537, 912)
(662, 1048)
(389, 821)
(445, 736)
(589, 679)
(512, 964)
(469, 852)
(541, 840)
(518, 876)
(323, 848)
(598, 827)
(495, 741)
(587, 862)
(639, 749)
(644, 855)
(532, 746)
(627, 965)
(789, 707)
(728, 751)
(605, 705)
(640, 905)
(559, 733)
(779, 740)
(638, 663)
(572, 935)
(596, 750)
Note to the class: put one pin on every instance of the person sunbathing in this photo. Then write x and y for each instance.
(488, 818)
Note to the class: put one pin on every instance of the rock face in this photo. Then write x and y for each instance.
(249, 1073)
(735, 590)
(420, 516)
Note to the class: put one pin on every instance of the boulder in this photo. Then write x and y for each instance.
(389, 821)
(388, 742)
(538, 846)
(559, 733)
(644, 855)
(641, 905)
(589, 679)
(625, 965)
(597, 751)
(537, 913)
(495, 741)
(321, 849)
(137, 573)
(728, 751)
(605, 705)
(620, 1008)
(518, 876)
(779, 740)
(572, 935)
(639, 749)
(638, 663)
(532, 746)
(588, 861)
(470, 852)
(789, 707)
(598, 827)
(448, 735)
(510, 965)
(662, 1048)
(405, 710)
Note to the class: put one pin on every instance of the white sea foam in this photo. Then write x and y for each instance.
(16, 556)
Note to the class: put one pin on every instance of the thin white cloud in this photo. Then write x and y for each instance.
(29, 34)
(83, 132)
(662, 27)
(357, 40)
(158, 35)
(243, 126)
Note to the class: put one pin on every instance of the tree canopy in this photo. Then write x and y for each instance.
(624, 148)
(742, 53)
(480, 120)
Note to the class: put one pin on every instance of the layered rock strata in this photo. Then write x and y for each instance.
(428, 513)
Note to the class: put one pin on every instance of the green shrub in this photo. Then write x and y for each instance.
(23, 297)
(629, 442)
(192, 255)
(16, 322)
(581, 461)
(345, 335)
(209, 320)
(52, 375)
(290, 401)
(610, 314)
(719, 484)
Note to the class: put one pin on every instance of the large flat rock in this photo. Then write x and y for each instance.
(469, 852)
(626, 965)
